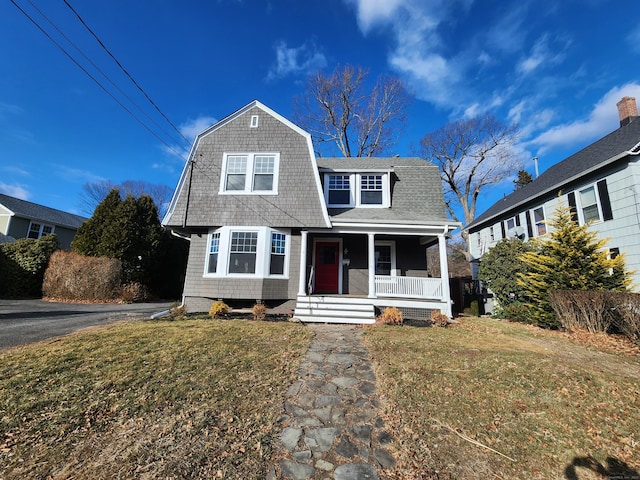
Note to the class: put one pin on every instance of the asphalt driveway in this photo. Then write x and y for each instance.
(26, 321)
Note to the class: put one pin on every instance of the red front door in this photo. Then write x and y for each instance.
(327, 268)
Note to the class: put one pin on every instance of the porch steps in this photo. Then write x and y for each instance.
(327, 309)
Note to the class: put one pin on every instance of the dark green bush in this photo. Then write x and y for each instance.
(22, 266)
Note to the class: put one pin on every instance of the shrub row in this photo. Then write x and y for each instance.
(76, 277)
(598, 311)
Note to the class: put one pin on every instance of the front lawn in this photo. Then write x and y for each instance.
(184, 399)
(496, 400)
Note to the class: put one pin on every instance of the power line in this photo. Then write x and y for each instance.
(103, 73)
(124, 70)
(46, 34)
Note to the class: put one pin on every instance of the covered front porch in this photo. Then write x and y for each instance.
(349, 272)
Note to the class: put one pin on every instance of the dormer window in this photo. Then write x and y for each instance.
(371, 189)
(357, 189)
(339, 190)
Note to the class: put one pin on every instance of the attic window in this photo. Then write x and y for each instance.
(254, 121)
(250, 173)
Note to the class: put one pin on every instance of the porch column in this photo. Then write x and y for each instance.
(444, 274)
(302, 281)
(372, 265)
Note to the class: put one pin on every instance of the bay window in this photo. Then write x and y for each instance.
(242, 254)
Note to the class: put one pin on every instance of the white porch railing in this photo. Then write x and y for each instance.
(408, 287)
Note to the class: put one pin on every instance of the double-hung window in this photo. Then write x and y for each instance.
(243, 252)
(538, 220)
(250, 173)
(371, 189)
(589, 205)
(339, 190)
(278, 251)
(214, 249)
(38, 230)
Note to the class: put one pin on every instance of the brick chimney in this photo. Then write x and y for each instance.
(628, 110)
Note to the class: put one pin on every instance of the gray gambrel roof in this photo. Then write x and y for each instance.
(35, 212)
(618, 144)
(416, 195)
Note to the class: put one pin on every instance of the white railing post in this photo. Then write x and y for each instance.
(303, 264)
(444, 274)
(372, 265)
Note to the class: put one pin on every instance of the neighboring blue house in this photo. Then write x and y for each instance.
(335, 238)
(22, 219)
(601, 183)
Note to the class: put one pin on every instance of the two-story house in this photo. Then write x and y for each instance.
(601, 183)
(22, 219)
(334, 237)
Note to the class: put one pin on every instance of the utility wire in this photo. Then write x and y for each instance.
(39, 27)
(104, 74)
(124, 70)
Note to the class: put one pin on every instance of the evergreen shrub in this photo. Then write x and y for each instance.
(23, 264)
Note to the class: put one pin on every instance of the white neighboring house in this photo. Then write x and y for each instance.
(601, 183)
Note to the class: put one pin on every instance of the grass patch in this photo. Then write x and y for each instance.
(556, 408)
(153, 399)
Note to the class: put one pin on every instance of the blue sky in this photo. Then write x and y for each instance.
(555, 68)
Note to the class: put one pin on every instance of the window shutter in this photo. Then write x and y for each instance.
(603, 193)
(517, 220)
(571, 198)
(504, 232)
(529, 226)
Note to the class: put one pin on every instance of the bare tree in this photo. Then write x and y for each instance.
(93, 193)
(471, 154)
(340, 113)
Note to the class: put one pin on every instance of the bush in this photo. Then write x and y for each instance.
(75, 277)
(516, 312)
(23, 264)
(178, 312)
(390, 316)
(599, 311)
(259, 311)
(218, 309)
(439, 319)
(134, 292)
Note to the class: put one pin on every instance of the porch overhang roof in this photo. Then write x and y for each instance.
(395, 228)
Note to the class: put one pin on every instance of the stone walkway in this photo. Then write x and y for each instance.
(331, 428)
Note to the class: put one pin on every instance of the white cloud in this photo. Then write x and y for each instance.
(17, 191)
(192, 127)
(603, 119)
(76, 175)
(296, 60)
(542, 55)
(16, 170)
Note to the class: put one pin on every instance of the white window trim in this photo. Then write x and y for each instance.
(534, 224)
(40, 229)
(579, 206)
(254, 121)
(392, 244)
(248, 181)
(263, 253)
(355, 192)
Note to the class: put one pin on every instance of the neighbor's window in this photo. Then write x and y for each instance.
(589, 205)
(278, 249)
(242, 256)
(339, 190)
(511, 223)
(371, 189)
(538, 220)
(214, 248)
(38, 230)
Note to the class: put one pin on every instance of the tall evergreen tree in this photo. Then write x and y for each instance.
(524, 177)
(88, 238)
(570, 257)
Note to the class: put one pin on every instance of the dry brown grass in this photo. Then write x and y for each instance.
(182, 399)
(539, 405)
